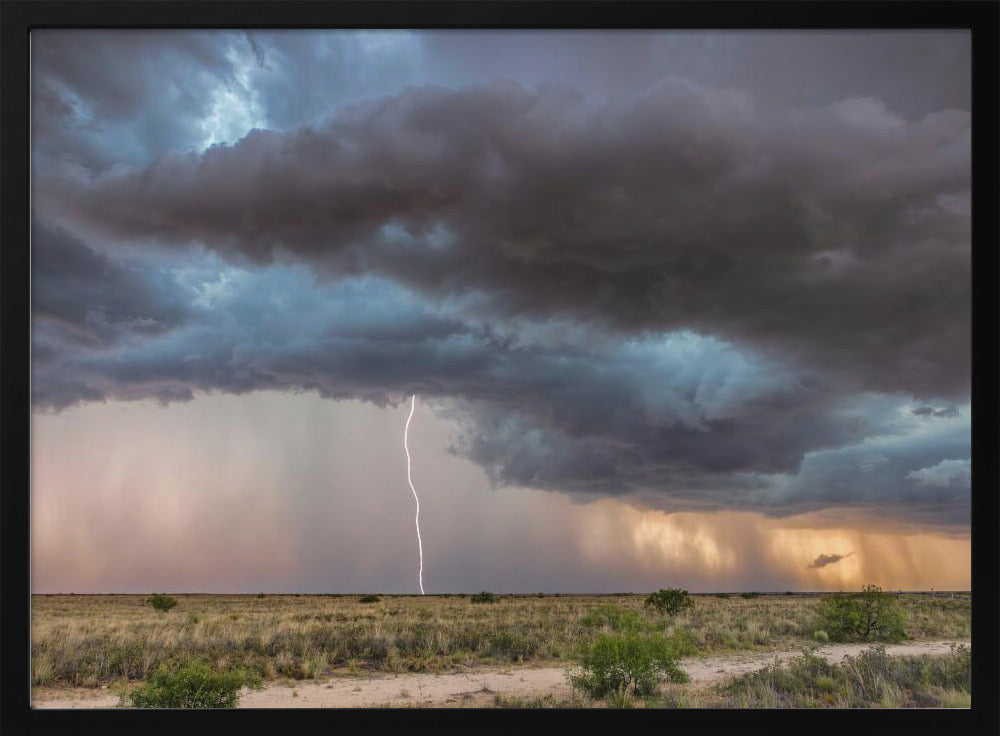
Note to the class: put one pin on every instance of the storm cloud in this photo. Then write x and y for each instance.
(824, 560)
(694, 292)
(688, 209)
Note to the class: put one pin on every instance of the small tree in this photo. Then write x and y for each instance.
(193, 684)
(670, 601)
(870, 614)
(161, 602)
(369, 598)
(485, 597)
(627, 661)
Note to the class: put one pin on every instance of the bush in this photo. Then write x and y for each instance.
(485, 597)
(369, 598)
(191, 685)
(748, 596)
(670, 601)
(161, 602)
(616, 663)
(870, 679)
(820, 635)
(868, 615)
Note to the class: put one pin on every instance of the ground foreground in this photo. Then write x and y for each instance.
(335, 651)
(486, 687)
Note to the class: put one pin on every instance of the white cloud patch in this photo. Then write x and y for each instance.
(945, 474)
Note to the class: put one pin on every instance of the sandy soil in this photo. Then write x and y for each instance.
(470, 688)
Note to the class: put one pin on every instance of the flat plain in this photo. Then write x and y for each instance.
(739, 650)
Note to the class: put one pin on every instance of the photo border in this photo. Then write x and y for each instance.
(18, 17)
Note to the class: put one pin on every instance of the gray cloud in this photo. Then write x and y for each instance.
(697, 288)
(679, 421)
(101, 98)
(945, 474)
(930, 411)
(688, 209)
(93, 299)
(824, 560)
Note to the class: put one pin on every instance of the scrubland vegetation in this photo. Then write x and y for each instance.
(871, 679)
(617, 646)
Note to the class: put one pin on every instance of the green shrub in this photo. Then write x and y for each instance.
(617, 663)
(670, 601)
(161, 602)
(868, 615)
(485, 597)
(748, 596)
(820, 635)
(369, 598)
(191, 685)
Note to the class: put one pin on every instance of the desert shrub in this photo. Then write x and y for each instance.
(670, 601)
(820, 635)
(617, 663)
(722, 595)
(748, 596)
(193, 684)
(870, 614)
(805, 680)
(369, 598)
(613, 617)
(485, 597)
(870, 679)
(161, 602)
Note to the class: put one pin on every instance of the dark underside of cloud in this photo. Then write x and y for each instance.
(684, 293)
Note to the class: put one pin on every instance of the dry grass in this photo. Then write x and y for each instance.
(871, 679)
(89, 640)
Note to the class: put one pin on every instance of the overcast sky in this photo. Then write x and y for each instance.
(679, 308)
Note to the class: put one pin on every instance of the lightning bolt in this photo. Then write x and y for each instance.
(406, 446)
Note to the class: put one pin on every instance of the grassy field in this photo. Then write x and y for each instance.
(94, 640)
(871, 679)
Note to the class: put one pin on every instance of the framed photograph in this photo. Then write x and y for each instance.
(448, 364)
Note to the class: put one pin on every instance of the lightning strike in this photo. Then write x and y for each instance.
(409, 479)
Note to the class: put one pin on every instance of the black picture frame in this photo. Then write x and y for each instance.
(18, 18)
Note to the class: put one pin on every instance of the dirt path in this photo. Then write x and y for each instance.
(475, 687)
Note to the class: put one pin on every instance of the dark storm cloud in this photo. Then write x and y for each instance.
(101, 98)
(837, 236)
(913, 72)
(609, 418)
(824, 560)
(683, 420)
(675, 289)
(91, 299)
